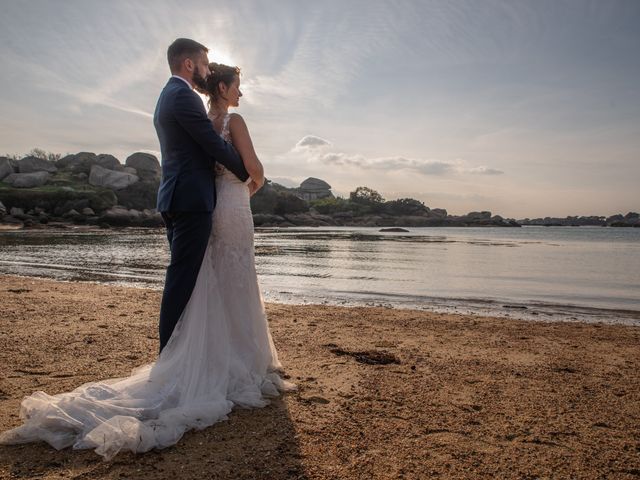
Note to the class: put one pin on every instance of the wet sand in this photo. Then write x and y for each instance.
(383, 393)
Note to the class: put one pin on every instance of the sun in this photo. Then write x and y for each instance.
(220, 55)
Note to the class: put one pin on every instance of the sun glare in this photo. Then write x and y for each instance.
(220, 55)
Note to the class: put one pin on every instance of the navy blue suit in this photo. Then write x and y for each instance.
(190, 147)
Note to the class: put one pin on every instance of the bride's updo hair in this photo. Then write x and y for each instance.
(218, 73)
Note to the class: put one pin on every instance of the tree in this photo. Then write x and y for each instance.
(405, 206)
(330, 205)
(289, 203)
(40, 153)
(366, 196)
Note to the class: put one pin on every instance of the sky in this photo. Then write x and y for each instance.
(523, 108)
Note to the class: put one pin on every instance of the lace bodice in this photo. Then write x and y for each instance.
(226, 136)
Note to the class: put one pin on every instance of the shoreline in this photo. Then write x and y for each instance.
(470, 397)
(500, 309)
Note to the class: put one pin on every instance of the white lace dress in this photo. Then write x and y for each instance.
(221, 354)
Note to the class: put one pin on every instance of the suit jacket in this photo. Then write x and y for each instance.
(190, 147)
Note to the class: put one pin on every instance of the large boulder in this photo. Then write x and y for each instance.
(314, 188)
(260, 219)
(484, 215)
(27, 180)
(6, 168)
(83, 162)
(32, 164)
(438, 212)
(123, 217)
(146, 165)
(77, 162)
(108, 161)
(103, 177)
(139, 195)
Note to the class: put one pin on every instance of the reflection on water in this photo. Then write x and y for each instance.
(574, 272)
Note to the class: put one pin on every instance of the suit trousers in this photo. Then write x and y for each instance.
(188, 235)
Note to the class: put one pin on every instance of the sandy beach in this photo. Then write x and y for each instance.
(383, 393)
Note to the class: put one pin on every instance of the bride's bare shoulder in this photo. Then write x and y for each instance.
(235, 118)
(237, 123)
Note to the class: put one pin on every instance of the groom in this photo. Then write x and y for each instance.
(190, 147)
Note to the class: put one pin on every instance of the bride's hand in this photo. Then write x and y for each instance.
(254, 187)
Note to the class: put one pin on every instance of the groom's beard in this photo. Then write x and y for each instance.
(199, 81)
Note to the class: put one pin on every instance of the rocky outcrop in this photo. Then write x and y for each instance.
(109, 162)
(83, 162)
(145, 164)
(33, 164)
(438, 212)
(267, 220)
(78, 162)
(6, 168)
(313, 189)
(124, 217)
(103, 177)
(27, 180)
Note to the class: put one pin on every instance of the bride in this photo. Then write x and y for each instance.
(220, 354)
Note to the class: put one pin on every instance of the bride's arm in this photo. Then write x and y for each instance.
(242, 142)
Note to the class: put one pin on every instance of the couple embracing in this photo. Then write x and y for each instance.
(216, 351)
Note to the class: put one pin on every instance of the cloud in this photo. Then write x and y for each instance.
(313, 150)
(482, 170)
(427, 167)
(311, 141)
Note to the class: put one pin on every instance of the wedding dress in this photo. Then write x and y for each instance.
(220, 355)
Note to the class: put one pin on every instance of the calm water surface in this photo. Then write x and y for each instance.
(585, 273)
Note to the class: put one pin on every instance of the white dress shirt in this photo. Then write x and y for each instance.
(184, 80)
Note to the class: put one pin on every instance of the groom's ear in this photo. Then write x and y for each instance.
(189, 65)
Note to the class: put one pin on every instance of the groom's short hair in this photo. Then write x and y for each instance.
(183, 48)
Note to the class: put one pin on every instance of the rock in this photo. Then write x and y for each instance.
(16, 212)
(438, 212)
(302, 219)
(325, 219)
(393, 229)
(343, 215)
(27, 180)
(88, 211)
(615, 218)
(108, 161)
(146, 165)
(103, 177)
(141, 195)
(261, 219)
(6, 168)
(83, 162)
(79, 162)
(71, 214)
(32, 164)
(76, 204)
(477, 216)
(117, 215)
(130, 170)
(3, 210)
(314, 188)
